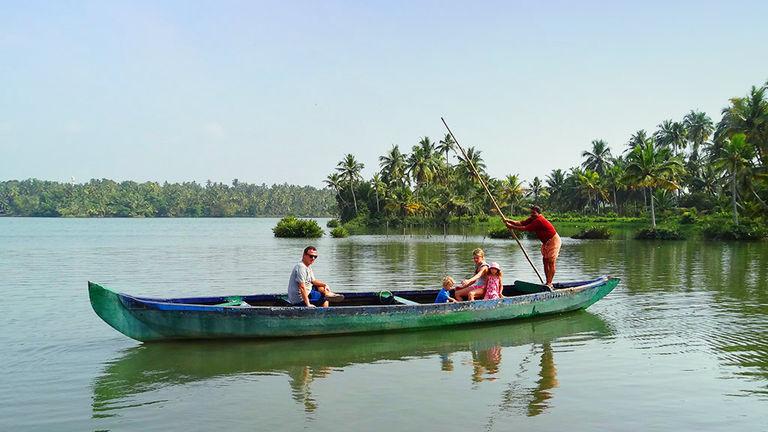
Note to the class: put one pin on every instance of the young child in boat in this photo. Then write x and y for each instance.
(444, 296)
(493, 283)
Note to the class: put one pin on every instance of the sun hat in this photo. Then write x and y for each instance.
(494, 265)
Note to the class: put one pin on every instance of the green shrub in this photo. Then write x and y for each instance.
(339, 232)
(333, 223)
(594, 232)
(659, 234)
(505, 233)
(358, 225)
(290, 226)
(689, 217)
(747, 230)
(500, 233)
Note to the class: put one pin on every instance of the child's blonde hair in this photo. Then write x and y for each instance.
(448, 282)
(478, 252)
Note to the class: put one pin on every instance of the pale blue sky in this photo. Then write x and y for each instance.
(280, 91)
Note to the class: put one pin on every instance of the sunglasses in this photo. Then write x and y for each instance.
(312, 256)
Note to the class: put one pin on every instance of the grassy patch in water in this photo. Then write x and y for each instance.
(594, 233)
(339, 232)
(659, 233)
(291, 227)
(747, 230)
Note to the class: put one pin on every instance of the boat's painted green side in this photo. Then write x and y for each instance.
(158, 319)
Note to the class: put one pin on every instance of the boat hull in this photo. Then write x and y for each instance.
(151, 320)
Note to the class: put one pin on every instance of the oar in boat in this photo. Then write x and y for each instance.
(485, 186)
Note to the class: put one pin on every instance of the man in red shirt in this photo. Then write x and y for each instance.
(550, 247)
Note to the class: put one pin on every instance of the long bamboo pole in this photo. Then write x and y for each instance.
(488, 191)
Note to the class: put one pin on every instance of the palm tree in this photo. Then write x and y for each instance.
(556, 185)
(512, 191)
(535, 189)
(349, 169)
(393, 166)
(612, 179)
(747, 115)
(652, 167)
(333, 181)
(599, 158)
(735, 159)
(589, 184)
(638, 139)
(671, 134)
(474, 157)
(423, 165)
(378, 189)
(446, 145)
(698, 127)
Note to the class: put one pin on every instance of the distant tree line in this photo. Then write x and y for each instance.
(690, 163)
(107, 198)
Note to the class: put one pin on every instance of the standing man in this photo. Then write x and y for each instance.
(550, 247)
(304, 289)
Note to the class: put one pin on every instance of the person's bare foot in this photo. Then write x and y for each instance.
(551, 287)
(334, 297)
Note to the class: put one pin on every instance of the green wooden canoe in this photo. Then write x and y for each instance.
(268, 316)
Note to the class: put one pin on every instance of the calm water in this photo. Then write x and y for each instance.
(681, 344)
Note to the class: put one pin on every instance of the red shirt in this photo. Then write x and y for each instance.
(541, 226)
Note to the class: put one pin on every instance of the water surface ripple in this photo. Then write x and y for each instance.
(682, 342)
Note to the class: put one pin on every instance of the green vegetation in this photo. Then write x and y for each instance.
(659, 233)
(333, 223)
(290, 226)
(500, 233)
(107, 198)
(685, 171)
(339, 232)
(594, 232)
(747, 230)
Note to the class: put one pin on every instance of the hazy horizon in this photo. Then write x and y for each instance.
(271, 92)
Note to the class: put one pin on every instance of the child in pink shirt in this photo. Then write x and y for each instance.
(493, 283)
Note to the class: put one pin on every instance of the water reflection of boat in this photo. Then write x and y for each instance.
(151, 367)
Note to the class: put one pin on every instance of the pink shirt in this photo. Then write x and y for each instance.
(492, 287)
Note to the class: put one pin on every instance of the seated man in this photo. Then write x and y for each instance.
(304, 289)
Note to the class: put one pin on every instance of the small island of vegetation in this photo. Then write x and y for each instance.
(292, 227)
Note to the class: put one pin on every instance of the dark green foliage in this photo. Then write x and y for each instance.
(505, 233)
(659, 233)
(339, 232)
(726, 230)
(594, 233)
(107, 198)
(290, 226)
(358, 225)
(333, 223)
(575, 217)
(500, 233)
(689, 217)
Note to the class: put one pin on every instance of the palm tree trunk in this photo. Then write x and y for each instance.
(653, 211)
(733, 199)
(354, 200)
(615, 203)
(760, 200)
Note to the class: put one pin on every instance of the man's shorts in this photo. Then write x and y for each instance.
(315, 297)
(551, 249)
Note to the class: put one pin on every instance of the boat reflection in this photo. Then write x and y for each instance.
(150, 367)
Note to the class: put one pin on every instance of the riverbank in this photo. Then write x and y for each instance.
(684, 225)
